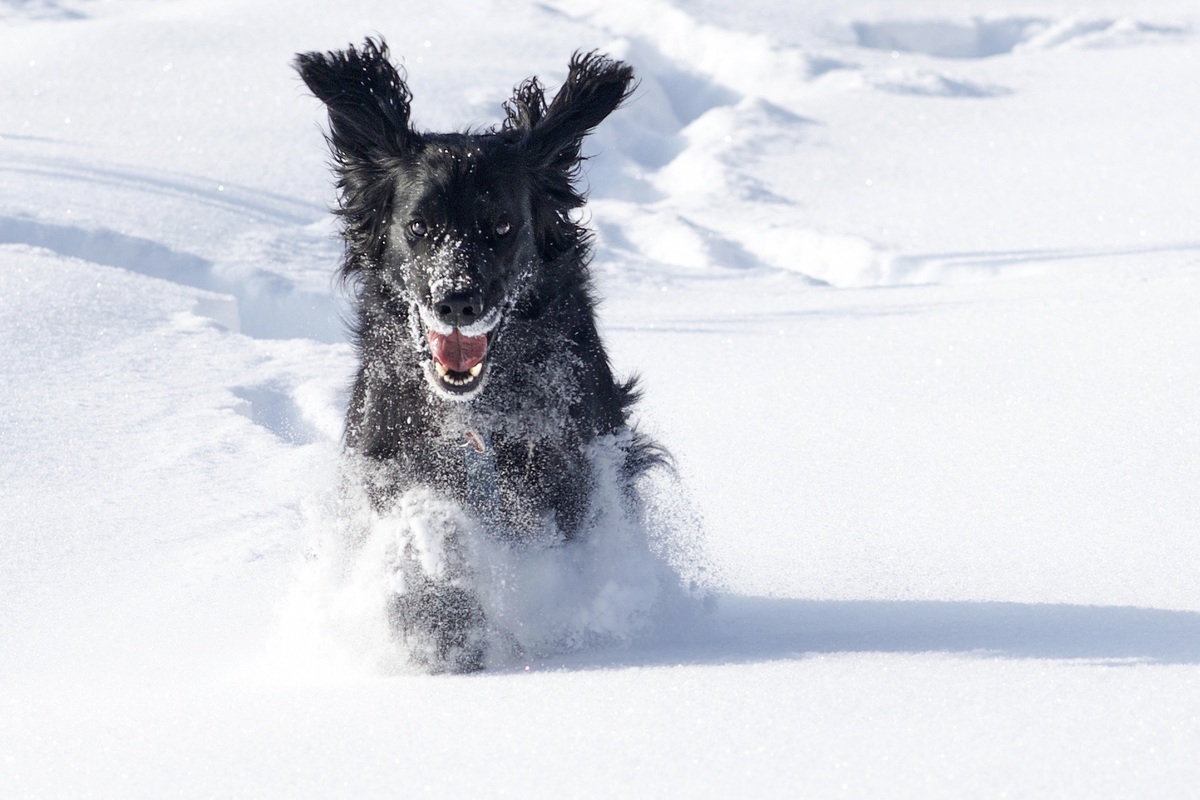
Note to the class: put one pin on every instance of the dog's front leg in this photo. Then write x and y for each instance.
(435, 609)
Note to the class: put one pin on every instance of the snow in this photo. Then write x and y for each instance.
(912, 293)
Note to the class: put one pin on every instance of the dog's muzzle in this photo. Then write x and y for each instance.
(458, 338)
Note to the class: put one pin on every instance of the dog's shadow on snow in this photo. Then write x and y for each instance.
(758, 629)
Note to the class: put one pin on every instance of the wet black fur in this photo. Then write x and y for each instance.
(549, 392)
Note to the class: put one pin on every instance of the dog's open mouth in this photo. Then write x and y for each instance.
(458, 359)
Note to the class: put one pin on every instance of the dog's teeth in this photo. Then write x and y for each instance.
(441, 369)
(475, 370)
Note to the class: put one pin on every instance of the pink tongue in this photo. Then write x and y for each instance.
(456, 352)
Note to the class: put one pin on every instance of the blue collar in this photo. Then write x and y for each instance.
(483, 496)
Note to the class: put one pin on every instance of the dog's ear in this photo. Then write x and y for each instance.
(552, 137)
(369, 133)
(595, 86)
(368, 102)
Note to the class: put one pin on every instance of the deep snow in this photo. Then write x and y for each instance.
(913, 298)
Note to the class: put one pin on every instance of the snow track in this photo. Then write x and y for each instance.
(711, 102)
(984, 37)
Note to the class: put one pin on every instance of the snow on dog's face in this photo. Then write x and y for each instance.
(450, 227)
(459, 242)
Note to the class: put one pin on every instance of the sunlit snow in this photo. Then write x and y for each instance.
(912, 291)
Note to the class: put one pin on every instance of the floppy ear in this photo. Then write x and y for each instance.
(552, 136)
(369, 134)
(367, 98)
(595, 86)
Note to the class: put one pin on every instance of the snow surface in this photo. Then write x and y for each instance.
(914, 298)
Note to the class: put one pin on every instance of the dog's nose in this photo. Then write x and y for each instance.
(460, 308)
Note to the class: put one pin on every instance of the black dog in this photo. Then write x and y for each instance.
(482, 377)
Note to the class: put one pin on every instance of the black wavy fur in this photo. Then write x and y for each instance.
(448, 230)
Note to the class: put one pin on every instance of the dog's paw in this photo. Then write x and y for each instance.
(442, 627)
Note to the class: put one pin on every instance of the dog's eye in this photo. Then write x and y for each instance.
(503, 227)
(418, 228)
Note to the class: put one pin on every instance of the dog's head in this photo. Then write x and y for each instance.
(457, 224)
